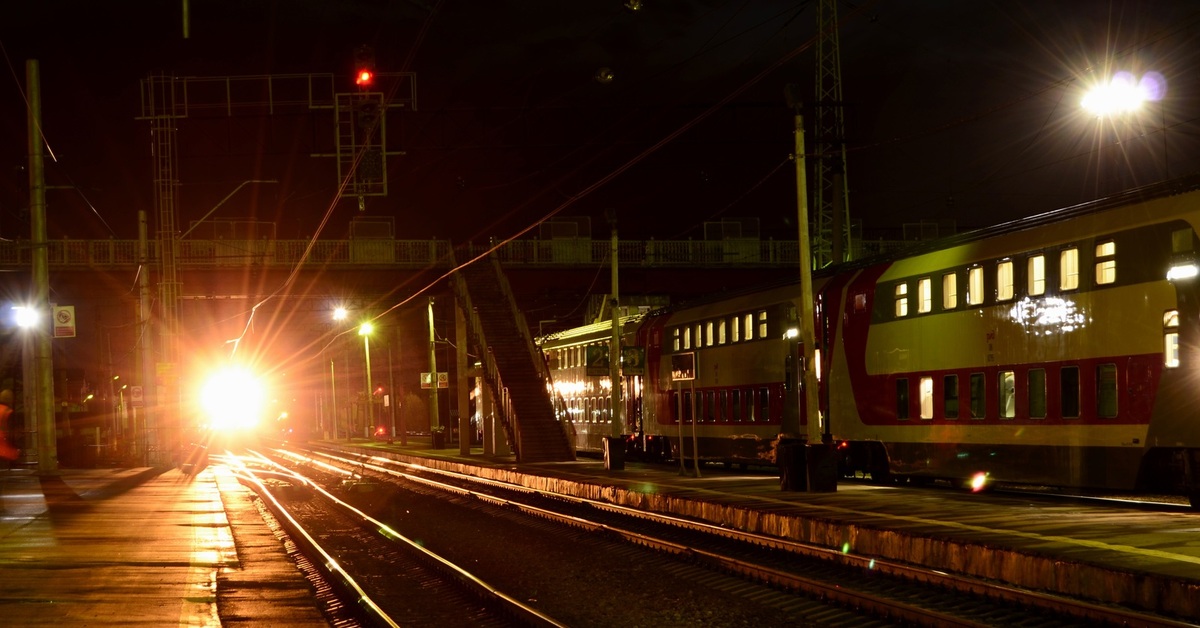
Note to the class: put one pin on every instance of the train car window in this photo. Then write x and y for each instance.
(1007, 381)
(1037, 393)
(1069, 391)
(676, 412)
(1037, 275)
(1068, 269)
(924, 294)
(721, 332)
(762, 324)
(764, 400)
(687, 406)
(735, 402)
(978, 397)
(926, 392)
(1106, 263)
(735, 328)
(950, 396)
(1106, 391)
(676, 340)
(1004, 280)
(902, 398)
(723, 413)
(975, 285)
(749, 327)
(1182, 241)
(901, 300)
(1171, 339)
(949, 291)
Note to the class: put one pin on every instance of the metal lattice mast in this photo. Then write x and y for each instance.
(831, 242)
(164, 112)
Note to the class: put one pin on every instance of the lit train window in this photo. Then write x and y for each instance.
(902, 398)
(950, 396)
(735, 328)
(978, 404)
(1106, 391)
(1037, 393)
(975, 285)
(1171, 339)
(924, 294)
(1008, 394)
(1037, 275)
(1004, 280)
(749, 327)
(1106, 263)
(901, 300)
(1068, 269)
(721, 332)
(762, 324)
(1069, 391)
(949, 291)
(926, 392)
(676, 340)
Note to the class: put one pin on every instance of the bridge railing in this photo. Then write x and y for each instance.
(420, 253)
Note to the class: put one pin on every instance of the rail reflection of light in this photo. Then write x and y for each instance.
(1048, 316)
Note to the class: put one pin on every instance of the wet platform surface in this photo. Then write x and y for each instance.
(142, 547)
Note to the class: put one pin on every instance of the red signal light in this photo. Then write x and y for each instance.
(364, 77)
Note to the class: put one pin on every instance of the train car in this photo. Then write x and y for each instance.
(579, 365)
(1060, 350)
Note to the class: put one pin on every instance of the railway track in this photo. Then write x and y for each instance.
(745, 566)
(366, 573)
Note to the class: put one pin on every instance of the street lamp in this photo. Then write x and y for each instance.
(1123, 96)
(365, 330)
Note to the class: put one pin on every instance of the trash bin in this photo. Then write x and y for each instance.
(614, 453)
(793, 468)
(439, 439)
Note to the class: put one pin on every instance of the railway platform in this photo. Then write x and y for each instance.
(1146, 558)
(142, 547)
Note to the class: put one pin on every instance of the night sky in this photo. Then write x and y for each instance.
(955, 111)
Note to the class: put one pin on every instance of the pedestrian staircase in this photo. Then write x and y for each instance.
(513, 368)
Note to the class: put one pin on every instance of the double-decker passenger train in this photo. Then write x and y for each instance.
(1062, 350)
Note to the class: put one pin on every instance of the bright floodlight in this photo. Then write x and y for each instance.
(24, 316)
(233, 399)
(1124, 93)
(1121, 95)
(365, 329)
(339, 314)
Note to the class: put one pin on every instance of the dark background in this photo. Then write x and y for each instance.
(955, 111)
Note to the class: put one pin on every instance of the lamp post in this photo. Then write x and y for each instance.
(365, 330)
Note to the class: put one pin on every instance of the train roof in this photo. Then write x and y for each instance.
(587, 332)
